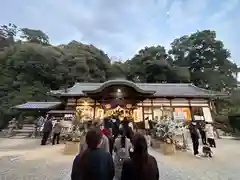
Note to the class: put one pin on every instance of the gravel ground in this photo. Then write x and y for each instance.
(48, 163)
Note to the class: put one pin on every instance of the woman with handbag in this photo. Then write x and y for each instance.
(122, 146)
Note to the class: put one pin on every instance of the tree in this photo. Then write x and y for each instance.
(86, 63)
(154, 65)
(7, 35)
(118, 70)
(27, 72)
(207, 60)
(34, 36)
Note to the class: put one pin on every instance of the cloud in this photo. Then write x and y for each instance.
(123, 27)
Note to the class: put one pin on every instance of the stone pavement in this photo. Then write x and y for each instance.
(35, 162)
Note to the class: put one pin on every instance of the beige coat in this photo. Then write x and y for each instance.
(117, 146)
(209, 131)
(105, 143)
(128, 145)
(57, 128)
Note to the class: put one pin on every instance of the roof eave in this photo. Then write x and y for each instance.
(153, 95)
(47, 108)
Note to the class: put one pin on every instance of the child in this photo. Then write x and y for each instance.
(210, 135)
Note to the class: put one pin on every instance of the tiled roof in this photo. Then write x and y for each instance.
(165, 90)
(38, 105)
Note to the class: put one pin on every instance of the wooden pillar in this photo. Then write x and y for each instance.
(190, 107)
(212, 109)
(94, 109)
(212, 106)
(64, 100)
(152, 109)
(142, 112)
(75, 103)
(170, 99)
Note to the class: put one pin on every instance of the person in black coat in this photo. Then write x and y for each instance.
(127, 129)
(115, 126)
(201, 128)
(94, 163)
(47, 129)
(141, 165)
(195, 137)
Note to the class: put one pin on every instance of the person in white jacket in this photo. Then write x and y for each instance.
(210, 135)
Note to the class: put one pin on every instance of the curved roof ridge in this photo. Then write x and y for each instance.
(121, 82)
(117, 80)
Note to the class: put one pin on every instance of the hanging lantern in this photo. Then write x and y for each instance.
(108, 106)
(128, 106)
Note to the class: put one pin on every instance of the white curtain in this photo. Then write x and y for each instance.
(207, 114)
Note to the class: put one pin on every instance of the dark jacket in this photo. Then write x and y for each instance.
(93, 165)
(194, 132)
(115, 127)
(47, 127)
(128, 132)
(132, 171)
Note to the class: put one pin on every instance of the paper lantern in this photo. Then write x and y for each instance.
(108, 106)
(128, 106)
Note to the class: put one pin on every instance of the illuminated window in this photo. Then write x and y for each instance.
(182, 113)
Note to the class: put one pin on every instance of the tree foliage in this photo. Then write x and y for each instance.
(207, 60)
(30, 67)
(35, 36)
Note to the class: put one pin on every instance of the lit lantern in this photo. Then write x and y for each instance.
(128, 106)
(85, 103)
(108, 106)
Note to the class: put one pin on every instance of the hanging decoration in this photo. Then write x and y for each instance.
(128, 106)
(108, 106)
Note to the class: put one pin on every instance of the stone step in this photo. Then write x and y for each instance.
(28, 125)
(28, 128)
(21, 136)
(23, 130)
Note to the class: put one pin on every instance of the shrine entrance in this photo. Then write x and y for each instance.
(119, 112)
(118, 97)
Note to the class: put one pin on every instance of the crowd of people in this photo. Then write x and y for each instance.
(113, 150)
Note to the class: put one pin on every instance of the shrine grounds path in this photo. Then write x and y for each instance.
(24, 159)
